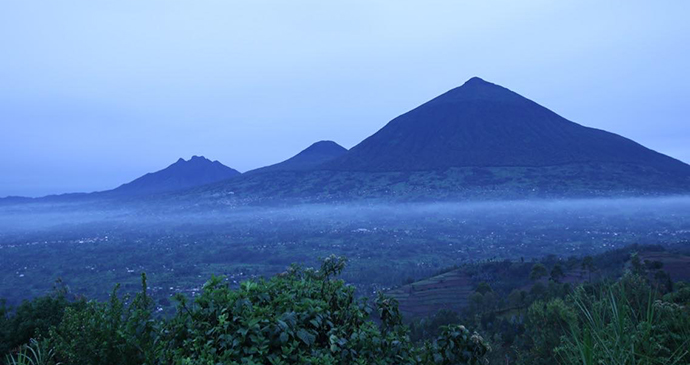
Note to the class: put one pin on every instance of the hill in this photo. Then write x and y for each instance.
(181, 175)
(453, 289)
(311, 157)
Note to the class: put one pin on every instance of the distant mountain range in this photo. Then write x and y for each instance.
(479, 140)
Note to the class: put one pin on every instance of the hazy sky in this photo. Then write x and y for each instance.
(97, 93)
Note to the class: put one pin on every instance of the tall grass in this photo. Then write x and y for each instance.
(33, 353)
(616, 327)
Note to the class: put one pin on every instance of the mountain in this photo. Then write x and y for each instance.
(311, 157)
(477, 141)
(480, 124)
(197, 171)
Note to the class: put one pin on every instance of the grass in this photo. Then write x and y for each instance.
(617, 331)
(34, 353)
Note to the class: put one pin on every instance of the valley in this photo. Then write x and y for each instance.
(387, 245)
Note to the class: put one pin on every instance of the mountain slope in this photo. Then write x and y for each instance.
(311, 157)
(484, 125)
(197, 171)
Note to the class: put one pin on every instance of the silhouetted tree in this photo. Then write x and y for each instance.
(557, 273)
(538, 271)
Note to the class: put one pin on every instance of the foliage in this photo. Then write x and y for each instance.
(614, 327)
(117, 332)
(34, 353)
(301, 316)
(557, 273)
(311, 316)
(538, 271)
(546, 324)
(430, 327)
(456, 345)
(31, 319)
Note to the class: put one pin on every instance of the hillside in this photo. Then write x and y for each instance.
(452, 290)
(311, 157)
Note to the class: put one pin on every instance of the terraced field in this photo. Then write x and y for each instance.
(446, 291)
(452, 290)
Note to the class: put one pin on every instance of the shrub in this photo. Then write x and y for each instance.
(302, 316)
(117, 332)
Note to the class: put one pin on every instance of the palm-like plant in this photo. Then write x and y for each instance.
(34, 353)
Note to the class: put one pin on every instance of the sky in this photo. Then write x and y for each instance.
(96, 93)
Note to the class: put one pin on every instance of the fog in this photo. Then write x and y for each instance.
(92, 246)
(44, 218)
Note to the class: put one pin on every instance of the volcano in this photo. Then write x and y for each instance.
(309, 158)
(480, 124)
(183, 174)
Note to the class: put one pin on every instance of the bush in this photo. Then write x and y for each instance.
(117, 332)
(301, 316)
(31, 319)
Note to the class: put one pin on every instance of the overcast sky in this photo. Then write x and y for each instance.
(96, 93)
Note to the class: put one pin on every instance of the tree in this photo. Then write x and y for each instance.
(30, 320)
(517, 297)
(538, 271)
(637, 266)
(547, 322)
(588, 265)
(483, 288)
(557, 273)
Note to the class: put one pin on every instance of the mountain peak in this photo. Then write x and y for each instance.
(324, 147)
(196, 171)
(477, 89)
(198, 158)
(309, 158)
(476, 81)
(193, 160)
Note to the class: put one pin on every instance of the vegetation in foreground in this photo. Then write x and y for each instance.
(308, 316)
(302, 316)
